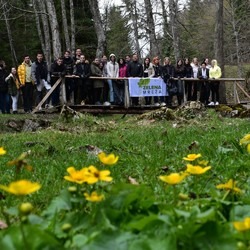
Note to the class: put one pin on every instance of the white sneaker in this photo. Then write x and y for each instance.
(211, 104)
(163, 104)
(106, 104)
(217, 103)
(157, 104)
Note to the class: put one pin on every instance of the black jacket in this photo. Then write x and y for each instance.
(3, 84)
(199, 74)
(82, 70)
(134, 69)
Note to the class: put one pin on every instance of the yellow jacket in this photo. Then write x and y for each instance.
(215, 71)
(22, 73)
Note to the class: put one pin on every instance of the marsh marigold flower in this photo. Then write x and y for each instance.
(2, 151)
(230, 185)
(242, 225)
(110, 159)
(77, 176)
(191, 157)
(196, 169)
(245, 140)
(94, 197)
(94, 175)
(22, 187)
(248, 148)
(173, 178)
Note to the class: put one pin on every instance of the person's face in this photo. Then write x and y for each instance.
(13, 71)
(66, 54)
(195, 61)
(39, 57)
(59, 61)
(186, 61)
(167, 61)
(147, 61)
(96, 61)
(82, 59)
(127, 58)
(121, 61)
(135, 58)
(112, 58)
(213, 63)
(27, 59)
(78, 52)
(104, 59)
(179, 62)
(203, 65)
(206, 61)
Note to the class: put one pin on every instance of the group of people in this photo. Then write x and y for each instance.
(29, 76)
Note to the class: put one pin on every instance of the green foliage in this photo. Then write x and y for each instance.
(118, 41)
(146, 216)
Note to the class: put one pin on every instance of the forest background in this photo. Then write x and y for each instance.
(176, 28)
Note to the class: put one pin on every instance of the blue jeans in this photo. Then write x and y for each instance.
(111, 91)
(5, 102)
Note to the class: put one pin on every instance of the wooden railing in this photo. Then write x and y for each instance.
(235, 81)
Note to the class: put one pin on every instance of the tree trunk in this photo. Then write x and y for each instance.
(219, 45)
(72, 25)
(38, 26)
(56, 43)
(65, 25)
(101, 37)
(154, 48)
(173, 11)
(134, 17)
(46, 32)
(12, 49)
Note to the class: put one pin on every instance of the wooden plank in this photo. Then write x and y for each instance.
(239, 86)
(47, 95)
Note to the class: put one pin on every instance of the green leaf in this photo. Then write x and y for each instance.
(34, 238)
(61, 202)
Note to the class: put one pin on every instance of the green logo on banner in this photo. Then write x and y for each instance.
(143, 82)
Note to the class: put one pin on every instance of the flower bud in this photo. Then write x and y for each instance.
(25, 208)
(72, 189)
(183, 197)
(66, 227)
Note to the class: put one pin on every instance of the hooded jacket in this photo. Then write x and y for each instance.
(215, 71)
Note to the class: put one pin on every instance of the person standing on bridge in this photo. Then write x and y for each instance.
(41, 77)
(27, 83)
(215, 73)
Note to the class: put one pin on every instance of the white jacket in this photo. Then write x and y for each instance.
(112, 69)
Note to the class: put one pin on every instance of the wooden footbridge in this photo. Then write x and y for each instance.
(236, 87)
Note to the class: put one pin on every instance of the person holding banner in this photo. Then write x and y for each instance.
(135, 69)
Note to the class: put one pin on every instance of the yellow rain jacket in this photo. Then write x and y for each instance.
(22, 73)
(215, 71)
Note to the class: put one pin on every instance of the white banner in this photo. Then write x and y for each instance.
(147, 87)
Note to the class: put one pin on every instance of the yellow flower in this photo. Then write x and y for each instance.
(191, 157)
(110, 159)
(94, 175)
(173, 178)
(2, 151)
(245, 139)
(77, 176)
(248, 148)
(21, 187)
(196, 169)
(94, 197)
(242, 225)
(230, 185)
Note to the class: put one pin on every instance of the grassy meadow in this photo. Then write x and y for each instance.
(136, 210)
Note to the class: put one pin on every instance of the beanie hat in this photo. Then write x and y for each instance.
(112, 55)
